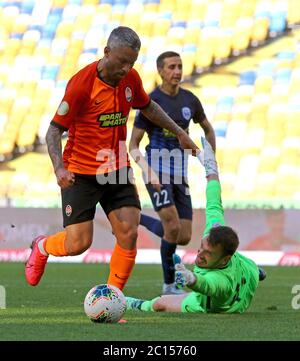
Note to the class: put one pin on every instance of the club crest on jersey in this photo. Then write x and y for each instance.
(128, 94)
(68, 210)
(186, 113)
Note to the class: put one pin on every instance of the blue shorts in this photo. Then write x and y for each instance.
(172, 194)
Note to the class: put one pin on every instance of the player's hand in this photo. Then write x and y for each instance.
(64, 178)
(183, 276)
(154, 181)
(187, 143)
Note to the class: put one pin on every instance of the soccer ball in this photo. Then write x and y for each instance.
(105, 304)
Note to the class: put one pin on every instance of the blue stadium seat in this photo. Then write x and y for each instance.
(48, 32)
(50, 72)
(16, 35)
(56, 11)
(247, 77)
(121, 2)
(179, 24)
(27, 6)
(61, 84)
(283, 76)
(78, 2)
(118, 8)
(36, 27)
(225, 104)
(18, 4)
(90, 50)
(286, 55)
(220, 128)
(110, 2)
(189, 48)
(211, 23)
(277, 23)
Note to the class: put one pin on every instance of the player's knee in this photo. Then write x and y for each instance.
(159, 305)
(172, 231)
(129, 235)
(184, 240)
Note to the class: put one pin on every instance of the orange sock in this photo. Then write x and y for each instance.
(121, 265)
(55, 244)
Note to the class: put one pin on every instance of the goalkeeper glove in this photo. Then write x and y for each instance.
(183, 276)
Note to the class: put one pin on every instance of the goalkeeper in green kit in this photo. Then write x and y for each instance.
(223, 281)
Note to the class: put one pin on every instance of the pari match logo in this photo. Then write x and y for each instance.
(112, 120)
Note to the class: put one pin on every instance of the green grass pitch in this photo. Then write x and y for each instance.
(54, 309)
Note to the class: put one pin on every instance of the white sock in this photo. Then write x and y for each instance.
(41, 247)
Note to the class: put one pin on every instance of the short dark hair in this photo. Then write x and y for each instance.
(226, 237)
(163, 56)
(123, 36)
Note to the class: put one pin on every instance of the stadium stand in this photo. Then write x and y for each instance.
(240, 57)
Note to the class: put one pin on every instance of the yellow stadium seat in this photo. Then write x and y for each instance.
(21, 24)
(231, 158)
(7, 145)
(12, 47)
(188, 60)
(248, 8)
(161, 27)
(166, 6)
(222, 116)
(273, 136)
(204, 56)
(242, 35)
(64, 29)
(244, 94)
(104, 8)
(265, 183)
(259, 31)
(230, 13)
(241, 111)
(293, 15)
(263, 84)
(90, 2)
(151, 7)
(222, 49)
(59, 3)
(197, 10)
(132, 19)
(292, 125)
(286, 181)
(116, 17)
(8, 19)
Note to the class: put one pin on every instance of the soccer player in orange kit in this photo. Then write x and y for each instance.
(95, 166)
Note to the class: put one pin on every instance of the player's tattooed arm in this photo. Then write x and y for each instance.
(64, 177)
(157, 116)
(53, 140)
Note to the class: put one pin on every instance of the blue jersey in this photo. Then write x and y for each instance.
(163, 152)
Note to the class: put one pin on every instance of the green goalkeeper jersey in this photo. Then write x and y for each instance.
(229, 289)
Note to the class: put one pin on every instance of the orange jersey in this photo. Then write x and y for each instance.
(96, 114)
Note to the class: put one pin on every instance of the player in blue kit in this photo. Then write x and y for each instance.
(168, 187)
